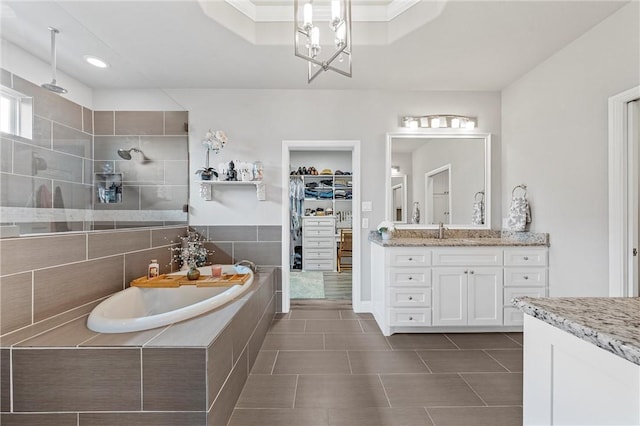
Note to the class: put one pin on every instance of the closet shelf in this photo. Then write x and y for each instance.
(206, 187)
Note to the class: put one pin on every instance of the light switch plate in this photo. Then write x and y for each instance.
(367, 206)
(365, 223)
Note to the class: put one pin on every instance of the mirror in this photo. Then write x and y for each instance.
(434, 177)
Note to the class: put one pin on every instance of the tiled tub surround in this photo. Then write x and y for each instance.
(259, 243)
(188, 373)
(60, 277)
(46, 183)
(609, 323)
(460, 238)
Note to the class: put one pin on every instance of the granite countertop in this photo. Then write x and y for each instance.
(612, 324)
(460, 238)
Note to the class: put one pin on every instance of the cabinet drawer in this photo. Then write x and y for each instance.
(318, 222)
(319, 232)
(318, 265)
(313, 254)
(319, 242)
(467, 257)
(410, 276)
(513, 316)
(409, 297)
(525, 257)
(404, 257)
(409, 317)
(525, 277)
(511, 292)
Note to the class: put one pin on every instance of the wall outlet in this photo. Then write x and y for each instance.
(367, 206)
(365, 223)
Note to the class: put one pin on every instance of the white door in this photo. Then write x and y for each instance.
(450, 296)
(485, 296)
(633, 120)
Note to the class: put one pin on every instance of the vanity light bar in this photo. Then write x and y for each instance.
(440, 122)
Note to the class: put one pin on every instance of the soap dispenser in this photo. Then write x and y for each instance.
(153, 270)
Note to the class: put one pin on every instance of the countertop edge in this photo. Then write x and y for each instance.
(602, 340)
(405, 242)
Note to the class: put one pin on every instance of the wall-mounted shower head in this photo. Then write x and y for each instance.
(126, 153)
(53, 86)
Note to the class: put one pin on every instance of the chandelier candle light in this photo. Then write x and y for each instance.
(339, 21)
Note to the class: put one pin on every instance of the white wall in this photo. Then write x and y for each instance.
(554, 139)
(27, 66)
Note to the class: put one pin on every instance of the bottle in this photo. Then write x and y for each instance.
(153, 270)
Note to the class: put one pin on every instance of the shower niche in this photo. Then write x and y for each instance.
(108, 187)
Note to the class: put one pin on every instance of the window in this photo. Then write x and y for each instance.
(16, 113)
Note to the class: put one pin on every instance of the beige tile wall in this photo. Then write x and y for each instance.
(44, 276)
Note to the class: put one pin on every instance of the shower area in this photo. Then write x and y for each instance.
(65, 167)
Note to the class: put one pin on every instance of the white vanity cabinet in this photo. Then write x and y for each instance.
(461, 288)
(465, 290)
(525, 274)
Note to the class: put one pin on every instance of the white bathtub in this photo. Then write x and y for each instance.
(136, 309)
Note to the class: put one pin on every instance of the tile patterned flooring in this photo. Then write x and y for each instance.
(325, 365)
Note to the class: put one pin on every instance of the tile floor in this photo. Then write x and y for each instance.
(325, 365)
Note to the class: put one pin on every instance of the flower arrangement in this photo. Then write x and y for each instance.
(192, 252)
(386, 226)
(215, 141)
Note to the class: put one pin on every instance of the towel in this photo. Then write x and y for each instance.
(478, 213)
(519, 214)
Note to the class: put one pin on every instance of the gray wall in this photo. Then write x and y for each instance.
(555, 140)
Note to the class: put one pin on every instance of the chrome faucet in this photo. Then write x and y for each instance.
(441, 230)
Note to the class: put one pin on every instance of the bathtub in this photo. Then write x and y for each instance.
(137, 309)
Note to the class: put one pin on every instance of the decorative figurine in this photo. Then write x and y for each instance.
(232, 175)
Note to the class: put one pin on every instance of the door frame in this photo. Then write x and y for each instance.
(621, 209)
(352, 146)
(428, 192)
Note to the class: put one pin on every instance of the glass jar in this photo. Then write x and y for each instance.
(258, 169)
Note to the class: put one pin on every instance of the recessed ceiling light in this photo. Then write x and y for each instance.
(96, 62)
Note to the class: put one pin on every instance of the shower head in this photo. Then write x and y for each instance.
(53, 86)
(126, 153)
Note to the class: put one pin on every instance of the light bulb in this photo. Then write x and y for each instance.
(307, 16)
(424, 121)
(336, 12)
(471, 124)
(315, 37)
(455, 123)
(435, 123)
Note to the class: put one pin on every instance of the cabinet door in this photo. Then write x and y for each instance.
(450, 296)
(485, 296)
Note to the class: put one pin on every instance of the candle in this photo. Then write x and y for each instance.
(307, 13)
(216, 271)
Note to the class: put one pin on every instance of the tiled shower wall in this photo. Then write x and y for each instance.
(261, 244)
(55, 169)
(47, 276)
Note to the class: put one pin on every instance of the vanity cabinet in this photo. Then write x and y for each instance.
(465, 290)
(427, 289)
(525, 274)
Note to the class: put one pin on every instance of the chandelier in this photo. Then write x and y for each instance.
(336, 14)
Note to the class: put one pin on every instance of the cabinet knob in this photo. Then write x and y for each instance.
(410, 297)
(410, 278)
(471, 272)
(526, 258)
(410, 318)
(466, 272)
(526, 277)
(411, 259)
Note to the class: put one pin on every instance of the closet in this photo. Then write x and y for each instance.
(320, 191)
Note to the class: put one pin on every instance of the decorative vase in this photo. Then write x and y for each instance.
(386, 235)
(193, 273)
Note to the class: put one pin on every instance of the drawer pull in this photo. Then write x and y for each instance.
(466, 272)
(410, 318)
(526, 277)
(410, 297)
(410, 278)
(411, 259)
(526, 258)
(472, 272)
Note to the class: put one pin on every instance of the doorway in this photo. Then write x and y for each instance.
(320, 214)
(438, 195)
(624, 196)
